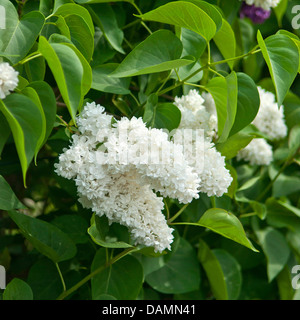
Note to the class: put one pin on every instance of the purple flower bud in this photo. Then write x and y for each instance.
(256, 14)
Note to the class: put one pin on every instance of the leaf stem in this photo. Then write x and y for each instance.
(61, 277)
(92, 274)
(28, 58)
(178, 213)
(140, 13)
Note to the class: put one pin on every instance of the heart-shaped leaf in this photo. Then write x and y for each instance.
(45, 237)
(19, 35)
(161, 51)
(25, 120)
(282, 57)
(186, 15)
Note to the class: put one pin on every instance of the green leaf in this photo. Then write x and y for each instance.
(280, 10)
(103, 82)
(282, 57)
(179, 274)
(231, 106)
(210, 10)
(8, 199)
(294, 140)
(275, 248)
(161, 51)
(193, 44)
(224, 223)
(105, 19)
(161, 115)
(44, 280)
(217, 87)
(79, 26)
(72, 8)
(19, 35)
(48, 102)
(225, 41)
(186, 15)
(73, 225)
(25, 121)
(45, 237)
(17, 289)
(35, 68)
(234, 144)
(231, 271)
(122, 280)
(32, 94)
(98, 231)
(67, 70)
(4, 132)
(247, 104)
(213, 271)
(81, 35)
(101, 1)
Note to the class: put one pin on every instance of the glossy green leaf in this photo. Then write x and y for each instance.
(225, 94)
(294, 140)
(106, 20)
(32, 94)
(72, 8)
(222, 270)
(81, 35)
(73, 225)
(247, 104)
(17, 289)
(179, 274)
(36, 68)
(25, 121)
(19, 35)
(225, 41)
(217, 87)
(213, 271)
(4, 132)
(230, 148)
(231, 106)
(101, 1)
(193, 44)
(275, 248)
(210, 10)
(45, 237)
(98, 231)
(161, 51)
(44, 280)
(161, 115)
(8, 199)
(231, 273)
(186, 15)
(226, 224)
(103, 82)
(122, 280)
(48, 102)
(282, 57)
(67, 70)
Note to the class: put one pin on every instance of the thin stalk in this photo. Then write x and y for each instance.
(92, 274)
(61, 277)
(140, 13)
(177, 214)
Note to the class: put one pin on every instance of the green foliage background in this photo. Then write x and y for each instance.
(134, 57)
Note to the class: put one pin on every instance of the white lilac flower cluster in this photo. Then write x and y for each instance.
(8, 79)
(270, 121)
(207, 162)
(196, 114)
(119, 165)
(264, 4)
